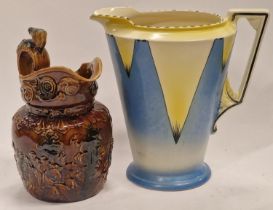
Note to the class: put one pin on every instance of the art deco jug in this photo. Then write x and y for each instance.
(62, 137)
(171, 69)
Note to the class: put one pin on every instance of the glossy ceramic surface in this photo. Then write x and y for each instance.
(171, 68)
(62, 137)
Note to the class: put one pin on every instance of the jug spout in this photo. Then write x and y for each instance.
(118, 16)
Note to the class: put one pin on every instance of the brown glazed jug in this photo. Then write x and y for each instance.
(62, 137)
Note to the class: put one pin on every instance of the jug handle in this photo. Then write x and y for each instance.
(257, 18)
(31, 53)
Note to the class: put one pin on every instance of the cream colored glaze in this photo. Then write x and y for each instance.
(164, 25)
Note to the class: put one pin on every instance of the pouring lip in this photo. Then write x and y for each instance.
(129, 20)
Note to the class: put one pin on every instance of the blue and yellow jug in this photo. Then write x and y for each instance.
(171, 69)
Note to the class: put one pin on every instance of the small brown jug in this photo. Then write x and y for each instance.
(62, 137)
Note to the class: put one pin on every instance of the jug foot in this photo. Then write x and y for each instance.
(169, 182)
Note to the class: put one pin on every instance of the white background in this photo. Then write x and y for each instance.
(240, 154)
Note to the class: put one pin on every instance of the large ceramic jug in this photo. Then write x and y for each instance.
(62, 136)
(171, 68)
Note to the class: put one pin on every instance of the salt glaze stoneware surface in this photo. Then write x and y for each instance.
(62, 137)
(171, 69)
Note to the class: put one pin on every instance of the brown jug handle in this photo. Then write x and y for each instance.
(31, 54)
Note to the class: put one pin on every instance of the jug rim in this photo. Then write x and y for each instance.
(119, 22)
(106, 13)
(93, 77)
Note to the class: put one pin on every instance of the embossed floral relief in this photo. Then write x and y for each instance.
(69, 86)
(51, 170)
(63, 160)
(62, 137)
(27, 93)
(46, 88)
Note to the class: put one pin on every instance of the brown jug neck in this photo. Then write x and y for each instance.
(53, 88)
(73, 111)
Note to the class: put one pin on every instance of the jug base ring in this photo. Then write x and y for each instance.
(169, 182)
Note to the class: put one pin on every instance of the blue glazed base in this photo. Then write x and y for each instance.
(169, 182)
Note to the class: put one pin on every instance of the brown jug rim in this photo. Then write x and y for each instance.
(48, 86)
(95, 67)
(33, 60)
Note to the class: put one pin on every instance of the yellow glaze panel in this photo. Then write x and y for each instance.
(126, 49)
(179, 67)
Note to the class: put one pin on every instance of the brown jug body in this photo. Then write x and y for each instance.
(62, 137)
